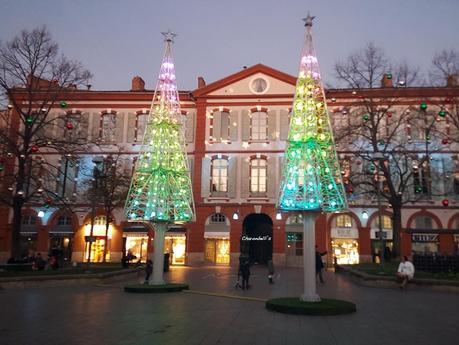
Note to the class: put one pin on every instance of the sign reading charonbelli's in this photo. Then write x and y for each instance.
(259, 238)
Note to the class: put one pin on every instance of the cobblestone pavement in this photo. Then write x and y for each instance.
(105, 315)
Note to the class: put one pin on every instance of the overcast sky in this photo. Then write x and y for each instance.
(118, 39)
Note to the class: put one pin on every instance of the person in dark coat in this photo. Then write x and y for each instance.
(270, 271)
(319, 264)
(245, 273)
(148, 270)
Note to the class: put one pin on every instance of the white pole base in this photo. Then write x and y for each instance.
(158, 256)
(309, 258)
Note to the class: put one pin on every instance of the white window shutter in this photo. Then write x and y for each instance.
(191, 167)
(284, 124)
(131, 128)
(189, 127)
(234, 125)
(83, 126)
(225, 125)
(232, 177)
(216, 126)
(272, 125)
(271, 177)
(245, 180)
(119, 131)
(205, 177)
(95, 127)
(245, 125)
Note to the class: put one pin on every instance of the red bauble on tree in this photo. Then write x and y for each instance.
(445, 141)
(445, 202)
(34, 148)
(69, 125)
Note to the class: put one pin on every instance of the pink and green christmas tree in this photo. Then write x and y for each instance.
(311, 179)
(161, 186)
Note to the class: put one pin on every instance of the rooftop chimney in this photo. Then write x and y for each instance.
(386, 80)
(138, 84)
(201, 82)
(452, 80)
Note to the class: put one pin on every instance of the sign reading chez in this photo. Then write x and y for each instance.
(424, 237)
(344, 233)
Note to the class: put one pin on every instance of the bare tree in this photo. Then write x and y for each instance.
(388, 147)
(108, 188)
(35, 80)
(445, 64)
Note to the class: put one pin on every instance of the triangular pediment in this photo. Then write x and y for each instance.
(257, 80)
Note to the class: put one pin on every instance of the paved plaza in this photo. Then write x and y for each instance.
(104, 314)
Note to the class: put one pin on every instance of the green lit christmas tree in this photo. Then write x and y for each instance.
(311, 179)
(160, 191)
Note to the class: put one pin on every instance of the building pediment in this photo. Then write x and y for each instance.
(256, 81)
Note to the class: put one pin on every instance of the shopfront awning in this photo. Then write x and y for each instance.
(136, 228)
(61, 230)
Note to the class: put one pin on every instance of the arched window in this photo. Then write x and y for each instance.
(218, 218)
(100, 220)
(258, 176)
(259, 126)
(424, 222)
(219, 173)
(64, 220)
(29, 220)
(344, 221)
(386, 222)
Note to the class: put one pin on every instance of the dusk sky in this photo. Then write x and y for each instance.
(117, 40)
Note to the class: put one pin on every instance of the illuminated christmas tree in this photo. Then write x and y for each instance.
(160, 190)
(311, 180)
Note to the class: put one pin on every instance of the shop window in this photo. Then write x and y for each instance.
(258, 177)
(294, 243)
(140, 125)
(345, 251)
(108, 126)
(136, 245)
(386, 222)
(217, 250)
(344, 221)
(219, 172)
(218, 218)
(258, 126)
(175, 245)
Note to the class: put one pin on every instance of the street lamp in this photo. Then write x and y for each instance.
(379, 158)
(96, 175)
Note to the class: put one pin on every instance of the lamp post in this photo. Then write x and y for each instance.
(96, 175)
(379, 158)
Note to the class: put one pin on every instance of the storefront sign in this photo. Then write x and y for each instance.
(344, 233)
(424, 237)
(258, 238)
(387, 234)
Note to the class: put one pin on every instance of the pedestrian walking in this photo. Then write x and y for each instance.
(270, 271)
(319, 265)
(245, 273)
(405, 271)
(148, 270)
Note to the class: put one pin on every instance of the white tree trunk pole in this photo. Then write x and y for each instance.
(309, 258)
(158, 257)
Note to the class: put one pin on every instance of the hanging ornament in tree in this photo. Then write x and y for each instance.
(63, 104)
(445, 141)
(69, 125)
(389, 114)
(418, 189)
(445, 202)
(29, 120)
(389, 76)
(366, 117)
(423, 106)
(34, 148)
(381, 142)
(442, 113)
